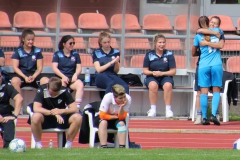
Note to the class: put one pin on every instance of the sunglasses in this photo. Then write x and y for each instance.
(72, 43)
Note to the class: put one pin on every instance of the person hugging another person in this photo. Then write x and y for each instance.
(67, 66)
(107, 63)
(27, 63)
(210, 70)
(215, 22)
(159, 66)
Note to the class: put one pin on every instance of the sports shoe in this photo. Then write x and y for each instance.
(38, 146)
(214, 120)
(169, 114)
(68, 145)
(151, 113)
(198, 120)
(205, 122)
(134, 145)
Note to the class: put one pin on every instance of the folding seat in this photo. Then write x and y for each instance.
(131, 22)
(180, 61)
(159, 23)
(8, 59)
(90, 22)
(156, 23)
(137, 61)
(32, 20)
(47, 58)
(137, 43)
(193, 62)
(66, 21)
(180, 23)
(5, 27)
(67, 27)
(233, 64)
(86, 60)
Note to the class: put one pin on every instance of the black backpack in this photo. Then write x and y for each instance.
(132, 79)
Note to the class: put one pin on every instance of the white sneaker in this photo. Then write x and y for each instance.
(198, 120)
(68, 145)
(38, 146)
(151, 113)
(169, 114)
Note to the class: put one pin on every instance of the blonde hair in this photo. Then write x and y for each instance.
(156, 37)
(118, 90)
(102, 35)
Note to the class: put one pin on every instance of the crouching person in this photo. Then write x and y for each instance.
(112, 113)
(50, 111)
(7, 113)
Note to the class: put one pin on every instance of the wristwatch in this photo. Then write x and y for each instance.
(14, 116)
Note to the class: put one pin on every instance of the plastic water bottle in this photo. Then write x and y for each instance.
(50, 143)
(87, 77)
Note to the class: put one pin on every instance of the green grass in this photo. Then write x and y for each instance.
(120, 154)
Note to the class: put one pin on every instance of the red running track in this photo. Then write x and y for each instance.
(158, 140)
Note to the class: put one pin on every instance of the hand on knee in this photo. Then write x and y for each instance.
(121, 127)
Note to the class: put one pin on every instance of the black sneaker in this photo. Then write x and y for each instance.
(134, 145)
(205, 121)
(214, 120)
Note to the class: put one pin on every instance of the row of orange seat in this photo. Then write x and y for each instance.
(97, 22)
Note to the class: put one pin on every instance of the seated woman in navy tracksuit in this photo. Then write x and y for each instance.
(107, 62)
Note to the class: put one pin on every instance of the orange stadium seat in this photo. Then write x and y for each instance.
(233, 64)
(92, 21)
(8, 60)
(158, 22)
(180, 23)
(86, 60)
(7, 41)
(194, 62)
(231, 45)
(32, 20)
(137, 43)
(131, 22)
(93, 42)
(47, 58)
(66, 21)
(173, 44)
(180, 61)
(137, 61)
(27, 19)
(226, 23)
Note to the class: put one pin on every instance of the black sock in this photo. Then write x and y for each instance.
(104, 146)
(121, 146)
